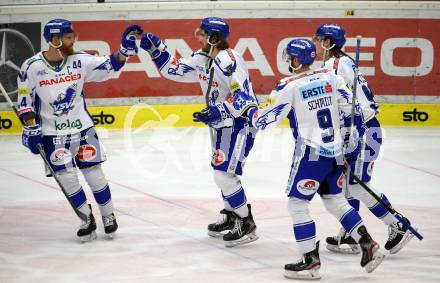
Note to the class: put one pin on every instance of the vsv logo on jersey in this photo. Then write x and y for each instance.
(64, 102)
(68, 78)
(75, 124)
(316, 89)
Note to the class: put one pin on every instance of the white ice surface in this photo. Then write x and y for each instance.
(164, 194)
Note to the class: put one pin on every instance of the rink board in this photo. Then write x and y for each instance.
(180, 115)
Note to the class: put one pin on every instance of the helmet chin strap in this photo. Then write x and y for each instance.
(57, 47)
(293, 69)
(212, 46)
(326, 51)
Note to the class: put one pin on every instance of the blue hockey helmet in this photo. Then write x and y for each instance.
(57, 27)
(333, 31)
(301, 48)
(217, 25)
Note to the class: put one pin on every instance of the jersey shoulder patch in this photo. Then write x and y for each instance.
(345, 61)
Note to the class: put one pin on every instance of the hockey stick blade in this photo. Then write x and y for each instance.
(396, 214)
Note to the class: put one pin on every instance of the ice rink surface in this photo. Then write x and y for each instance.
(164, 194)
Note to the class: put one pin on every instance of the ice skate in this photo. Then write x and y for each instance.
(342, 243)
(110, 224)
(86, 232)
(221, 227)
(398, 237)
(243, 231)
(371, 255)
(305, 269)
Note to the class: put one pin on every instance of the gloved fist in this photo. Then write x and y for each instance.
(239, 103)
(31, 137)
(352, 147)
(216, 116)
(152, 44)
(128, 43)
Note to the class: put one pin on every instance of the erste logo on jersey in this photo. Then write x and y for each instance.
(59, 80)
(315, 90)
(64, 102)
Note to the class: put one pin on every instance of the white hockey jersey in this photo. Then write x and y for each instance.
(230, 73)
(344, 67)
(314, 102)
(56, 95)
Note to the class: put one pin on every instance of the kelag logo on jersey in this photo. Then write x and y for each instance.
(315, 90)
(64, 102)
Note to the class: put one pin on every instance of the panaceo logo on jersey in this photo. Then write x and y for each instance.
(68, 78)
(75, 124)
(315, 90)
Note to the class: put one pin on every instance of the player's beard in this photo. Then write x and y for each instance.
(66, 50)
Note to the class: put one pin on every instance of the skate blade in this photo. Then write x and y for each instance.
(88, 238)
(352, 249)
(111, 235)
(406, 238)
(244, 240)
(216, 234)
(307, 275)
(375, 262)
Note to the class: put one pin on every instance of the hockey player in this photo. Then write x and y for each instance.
(232, 138)
(313, 102)
(329, 39)
(52, 106)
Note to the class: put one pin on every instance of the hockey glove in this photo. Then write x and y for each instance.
(128, 44)
(352, 147)
(152, 44)
(31, 137)
(215, 116)
(239, 103)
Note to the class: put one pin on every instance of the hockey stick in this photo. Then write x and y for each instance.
(353, 100)
(207, 98)
(396, 214)
(81, 215)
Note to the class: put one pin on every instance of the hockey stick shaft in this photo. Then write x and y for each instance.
(396, 214)
(353, 100)
(207, 98)
(43, 156)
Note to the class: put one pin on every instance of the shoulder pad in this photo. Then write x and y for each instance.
(226, 61)
(84, 53)
(345, 60)
(32, 60)
(199, 53)
(281, 84)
